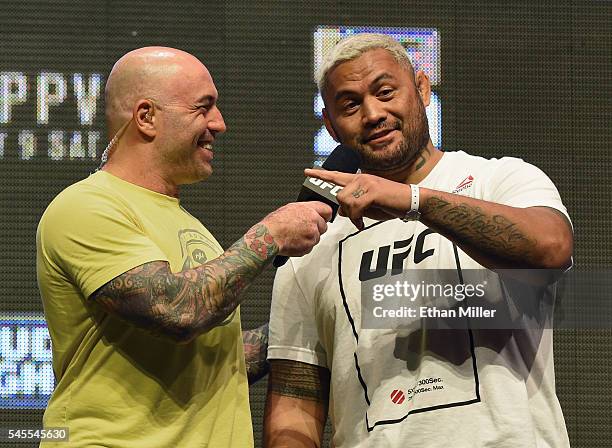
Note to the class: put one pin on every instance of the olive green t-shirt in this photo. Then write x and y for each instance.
(118, 385)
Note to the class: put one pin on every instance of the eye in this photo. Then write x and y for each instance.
(385, 92)
(203, 108)
(350, 106)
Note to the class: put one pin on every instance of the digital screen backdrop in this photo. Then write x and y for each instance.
(513, 78)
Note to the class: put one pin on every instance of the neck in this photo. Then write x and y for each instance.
(139, 171)
(417, 170)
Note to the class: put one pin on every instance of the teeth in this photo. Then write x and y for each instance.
(207, 146)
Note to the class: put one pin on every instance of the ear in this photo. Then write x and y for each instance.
(423, 86)
(144, 117)
(329, 126)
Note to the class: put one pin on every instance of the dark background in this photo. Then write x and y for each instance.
(524, 79)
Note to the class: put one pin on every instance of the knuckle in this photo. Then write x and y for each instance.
(311, 234)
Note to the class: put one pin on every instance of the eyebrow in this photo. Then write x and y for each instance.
(382, 77)
(207, 99)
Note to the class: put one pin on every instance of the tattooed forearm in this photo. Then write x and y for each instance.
(184, 304)
(255, 352)
(299, 380)
(491, 233)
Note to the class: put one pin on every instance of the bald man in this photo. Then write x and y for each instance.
(140, 299)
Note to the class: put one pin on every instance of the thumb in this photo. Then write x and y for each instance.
(324, 210)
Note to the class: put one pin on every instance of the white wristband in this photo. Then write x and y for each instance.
(415, 197)
(413, 213)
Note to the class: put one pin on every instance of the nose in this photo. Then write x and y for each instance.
(216, 123)
(373, 111)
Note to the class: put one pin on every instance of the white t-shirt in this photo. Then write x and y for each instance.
(419, 387)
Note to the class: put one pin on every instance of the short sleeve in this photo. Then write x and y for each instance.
(517, 183)
(91, 238)
(293, 326)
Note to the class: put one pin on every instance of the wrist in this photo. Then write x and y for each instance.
(413, 213)
(259, 239)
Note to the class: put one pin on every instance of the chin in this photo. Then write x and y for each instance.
(384, 160)
(200, 177)
(205, 174)
(196, 177)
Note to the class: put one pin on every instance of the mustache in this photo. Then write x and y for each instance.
(394, 125)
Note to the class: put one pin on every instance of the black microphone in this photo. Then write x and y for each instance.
(343, 159)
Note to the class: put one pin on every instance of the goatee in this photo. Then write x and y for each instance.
(415, 139)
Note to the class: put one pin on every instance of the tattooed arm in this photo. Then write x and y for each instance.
(500, 236)
(497, 236)
(255, 352)
(296, 405)
(185, 304)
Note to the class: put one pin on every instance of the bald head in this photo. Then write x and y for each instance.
(149, 72)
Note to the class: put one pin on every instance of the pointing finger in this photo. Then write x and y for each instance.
(336, 177)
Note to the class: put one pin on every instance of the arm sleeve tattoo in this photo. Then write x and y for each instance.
(255, 352)
(492, 233)
(184, 304)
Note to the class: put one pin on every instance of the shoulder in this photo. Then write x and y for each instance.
(82, 204)
(80, 194)
(474, 161)
(516, 171)
(493, 171)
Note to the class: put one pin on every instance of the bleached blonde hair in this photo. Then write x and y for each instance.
(354, 46)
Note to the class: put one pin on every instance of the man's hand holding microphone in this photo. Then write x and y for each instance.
(298, 226)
